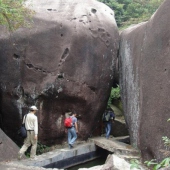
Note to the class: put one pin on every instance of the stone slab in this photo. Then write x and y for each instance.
(114, 146)
(49, 158)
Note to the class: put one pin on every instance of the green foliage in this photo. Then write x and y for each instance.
(134, 163)
(151, 162)
(164, 163)
(129, 12)
(42, 148)
(115, 94)
(13, 14)
(166, 141)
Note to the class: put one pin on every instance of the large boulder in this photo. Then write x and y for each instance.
(64, 62)
(145, 81)
(8, 149)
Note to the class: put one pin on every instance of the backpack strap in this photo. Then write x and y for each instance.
(24, 119)
(104, 114)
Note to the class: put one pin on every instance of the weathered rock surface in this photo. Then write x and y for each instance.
(114, 162)
(8, 149)
(114, 146)
(145, 81)
(167, 168)
(119, 127)
(64, 62)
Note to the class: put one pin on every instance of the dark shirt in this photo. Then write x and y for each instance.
(108, 116)
(112, 115)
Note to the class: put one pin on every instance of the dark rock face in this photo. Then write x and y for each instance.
(8, 149)
(145, 81)
(119, 128)
(65, 62)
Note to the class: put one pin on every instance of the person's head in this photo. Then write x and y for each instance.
(33, 109)
(108, 109)
(74, 114)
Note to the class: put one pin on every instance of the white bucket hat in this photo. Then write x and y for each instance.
(33, 108)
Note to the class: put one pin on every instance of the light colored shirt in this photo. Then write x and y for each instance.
(31, 122)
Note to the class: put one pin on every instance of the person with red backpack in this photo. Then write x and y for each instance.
(72, 129)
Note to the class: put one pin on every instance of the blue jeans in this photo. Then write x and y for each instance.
(108, 126)
(72, 136)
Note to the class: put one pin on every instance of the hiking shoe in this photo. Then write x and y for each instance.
(19, 156)
(34, 158)
(70, 146)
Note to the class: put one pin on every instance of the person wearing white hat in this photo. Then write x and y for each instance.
(31, 125)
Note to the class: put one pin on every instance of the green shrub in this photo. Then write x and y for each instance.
(164, 163)
(134, 163)
(114, 95)
(42, 148)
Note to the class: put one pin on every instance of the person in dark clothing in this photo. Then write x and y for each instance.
(108, 117)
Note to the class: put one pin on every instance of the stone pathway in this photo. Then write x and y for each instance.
(15, 166)
(48, 158)
(58, 155)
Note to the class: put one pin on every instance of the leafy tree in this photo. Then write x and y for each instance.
(13, 14)
(117, 7)
(129, 12)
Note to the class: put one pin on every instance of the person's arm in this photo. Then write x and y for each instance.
(113, 117)
(23, 121)
(76, 126)
(36, 128)
(66, 130)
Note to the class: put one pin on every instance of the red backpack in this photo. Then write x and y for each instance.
(68, 122)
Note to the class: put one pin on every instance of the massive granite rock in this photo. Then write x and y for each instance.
(145, 81)
(64, 62)
(8, 149)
